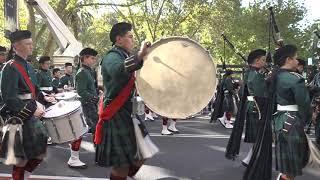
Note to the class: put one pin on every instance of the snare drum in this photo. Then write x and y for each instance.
(67, 96)
(65, 121)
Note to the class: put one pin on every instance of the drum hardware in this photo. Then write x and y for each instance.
(65, 121)
(56, 129)
(83, 119)
(72, 128)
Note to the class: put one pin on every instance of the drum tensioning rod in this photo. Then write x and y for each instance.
(55, 128)
(84, 122)
(71, 125)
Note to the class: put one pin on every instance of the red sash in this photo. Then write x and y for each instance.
(114, 106)
(26, 78)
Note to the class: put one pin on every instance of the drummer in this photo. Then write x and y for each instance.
(86, 87)
(67, 81)
(56, 80)
(115, 135)
(21, 94)
(44, 75)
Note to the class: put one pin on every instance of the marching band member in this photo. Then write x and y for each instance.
(67, 81)
(228, 104)
(171, 129)
(3, 53)
(256, 86)
(44, 75)
(315, 94)
(301, 66)
(56, 73)
(251, 107)
(21, 96)
(86, 89)
(289, 95)
(115, 135)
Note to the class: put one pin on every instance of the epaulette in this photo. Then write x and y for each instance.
(297, 75)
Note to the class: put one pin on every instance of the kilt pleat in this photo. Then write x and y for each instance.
(228, 103)
(90, 112)
(317, 130)
(251, 126)
(118, 147)
(292, 150)
(35, 138)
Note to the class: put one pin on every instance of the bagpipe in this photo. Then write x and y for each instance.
(260, 165)
(220, 95)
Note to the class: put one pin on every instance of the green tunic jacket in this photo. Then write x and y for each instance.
(66, 80)
(13, 85)
(228, 84)
(85, 84)
(291, 90)
(55, 82)
(256, 83)
(44, 78)
(117, 68)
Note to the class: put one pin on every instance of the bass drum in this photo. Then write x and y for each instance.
(178, 78)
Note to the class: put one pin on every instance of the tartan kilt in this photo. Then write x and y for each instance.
(228, 104)
(90, 111)
(35, 138)
(118, 147)
(317, 129)
(252, 119)
(292, 152)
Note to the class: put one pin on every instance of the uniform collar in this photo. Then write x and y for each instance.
(122, 50)
(19, 59)
(286, 70)
(86, 67)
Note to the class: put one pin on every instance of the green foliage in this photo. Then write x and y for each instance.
(23, 21)
(200, 20)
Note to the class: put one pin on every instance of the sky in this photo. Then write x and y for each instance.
(312, 6)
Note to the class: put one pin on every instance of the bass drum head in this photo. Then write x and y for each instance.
(178, 78)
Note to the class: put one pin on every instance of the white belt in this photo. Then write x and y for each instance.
(250, 98)
(25, 96)
(46, 88)
(287, 107)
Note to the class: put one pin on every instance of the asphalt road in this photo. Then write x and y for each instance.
(196, 153)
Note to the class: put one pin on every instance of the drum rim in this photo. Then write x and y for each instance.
(66, 114)
(63, 98)
(199, 45)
